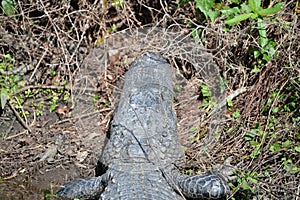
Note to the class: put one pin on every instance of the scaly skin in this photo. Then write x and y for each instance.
(143, 148)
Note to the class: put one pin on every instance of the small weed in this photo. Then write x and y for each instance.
(49, 195)
(106, 104)
(67, 96)
(112, 29)
(289, 166)
(118, 3)
(9, 83)
(233, 11)
(53, 101)
(236, 113)
(247, 179)
(95, 99)
(207, 98)
(52, 73)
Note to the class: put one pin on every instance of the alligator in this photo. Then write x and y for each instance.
(142, 151)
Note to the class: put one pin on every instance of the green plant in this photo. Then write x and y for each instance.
(266, 49)
(251, 10)
(67, 96)
(236, 113)
(112, 29)
(237, 11)
(53, 101)
(254, 141)
(233, 11)
(284, 101)
(9, 83)
(246, 178)
(3, 97)
(289, 166)
(49, 195)
(118, 3)
(207, 98)
(207, 8)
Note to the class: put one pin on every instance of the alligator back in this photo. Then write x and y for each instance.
(142, 147)
(144, 126)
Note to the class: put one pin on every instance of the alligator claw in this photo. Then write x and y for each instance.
(227, 170)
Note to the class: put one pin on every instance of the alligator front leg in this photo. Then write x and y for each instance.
(88, 188)
(211, 185)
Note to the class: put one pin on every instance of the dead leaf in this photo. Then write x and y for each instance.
(81, 155)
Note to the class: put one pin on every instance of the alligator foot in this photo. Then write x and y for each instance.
(88, 188)
(211, 185)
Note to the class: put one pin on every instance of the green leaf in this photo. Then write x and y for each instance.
(9, 7)
(112, 29)
(205, 91)
(255, 69)
(245, 8)
(229, 12)
(252, 180)
(286, 144)
(263, 40)
(8, 56)
(238, 18)
(255, 153)
(297, 148)
(275, 110)
(288, 165)
(229, 102)
(3, 98)
(269, 11)
(256, 54)
(275, 147)
(196, 33)
(246, 186)
(255, 5)
(193, 129)
(213, 15)
(249, 136)
(295, 170)
(254, 16)
(266, 58)
(205, 6)
(254, 143)
(204, 104)
(236, 114)
(118, 3)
